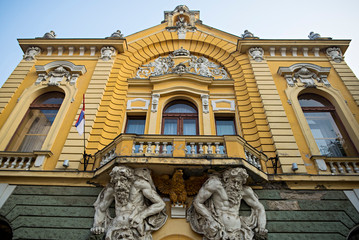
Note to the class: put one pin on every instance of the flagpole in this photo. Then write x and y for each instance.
(83, 107)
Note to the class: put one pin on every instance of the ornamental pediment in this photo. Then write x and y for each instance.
(180, 62)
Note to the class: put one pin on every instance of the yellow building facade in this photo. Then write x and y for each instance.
(181, 95)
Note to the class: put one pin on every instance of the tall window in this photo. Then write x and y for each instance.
(327, 129)
(135, 125)
(180, 118)
(225, 126)
(37, 122)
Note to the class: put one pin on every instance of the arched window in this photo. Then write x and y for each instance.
(327, 129)
(37, 122)
(180, 118)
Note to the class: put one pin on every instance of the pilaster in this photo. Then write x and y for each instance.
(284, 142)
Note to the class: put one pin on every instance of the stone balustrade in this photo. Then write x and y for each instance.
(205, 148)
(18, 162)
(337, 165)
(152, 147)
(343, 167)
(253, 159)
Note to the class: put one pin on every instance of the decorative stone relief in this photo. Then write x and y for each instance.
(57, 75)
(31, 52)
(181, 20)
(155, 99)
(205, 103)
(215, 210)
(139, 209)
(257, 54)
(307, 74)
(215, 102)
(187, 64)
(58, 72)
(306, 77)
(181, 52)
(107, 53)
(335, 53)
(178, 189)
(130, 107)
(49, 35)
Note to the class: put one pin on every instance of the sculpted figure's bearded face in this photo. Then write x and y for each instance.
(233, 183)
(122, 178)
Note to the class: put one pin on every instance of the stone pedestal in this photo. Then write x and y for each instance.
(178, 211)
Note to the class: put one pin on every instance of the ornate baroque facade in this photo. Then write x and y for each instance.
(190, 133)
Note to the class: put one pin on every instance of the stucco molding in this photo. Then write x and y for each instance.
(59, 72)
(305, 74)
(131, 101)
(215, 102)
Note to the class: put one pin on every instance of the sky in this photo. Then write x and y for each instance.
(275, 19)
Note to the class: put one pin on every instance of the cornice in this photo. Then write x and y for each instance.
(120, 44)
(244, 45)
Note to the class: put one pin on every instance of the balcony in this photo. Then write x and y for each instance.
(337, 165)
(22, 160)
(181, 150)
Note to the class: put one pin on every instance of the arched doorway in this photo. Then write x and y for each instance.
(180, 118)
(177, 237)
(5, 229)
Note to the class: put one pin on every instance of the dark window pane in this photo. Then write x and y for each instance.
(312, 100)
(189, 127)
(225, 127)
(136, 125)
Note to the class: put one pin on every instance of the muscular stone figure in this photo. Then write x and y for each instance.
(215, 210)
(139, 209)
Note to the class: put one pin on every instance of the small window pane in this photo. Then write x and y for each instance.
(136, 125)
(225, 127)
(189, 127)
(170, 126)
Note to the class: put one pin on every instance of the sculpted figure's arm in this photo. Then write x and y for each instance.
(157, 204)
(101, 205)
(251, 199)
(208, 189)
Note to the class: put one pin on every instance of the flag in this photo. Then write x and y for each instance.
(80, 124)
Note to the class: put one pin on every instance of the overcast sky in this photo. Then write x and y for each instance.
(276, 19)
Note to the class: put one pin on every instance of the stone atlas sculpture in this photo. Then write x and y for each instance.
(139, 210)
(215, 210)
